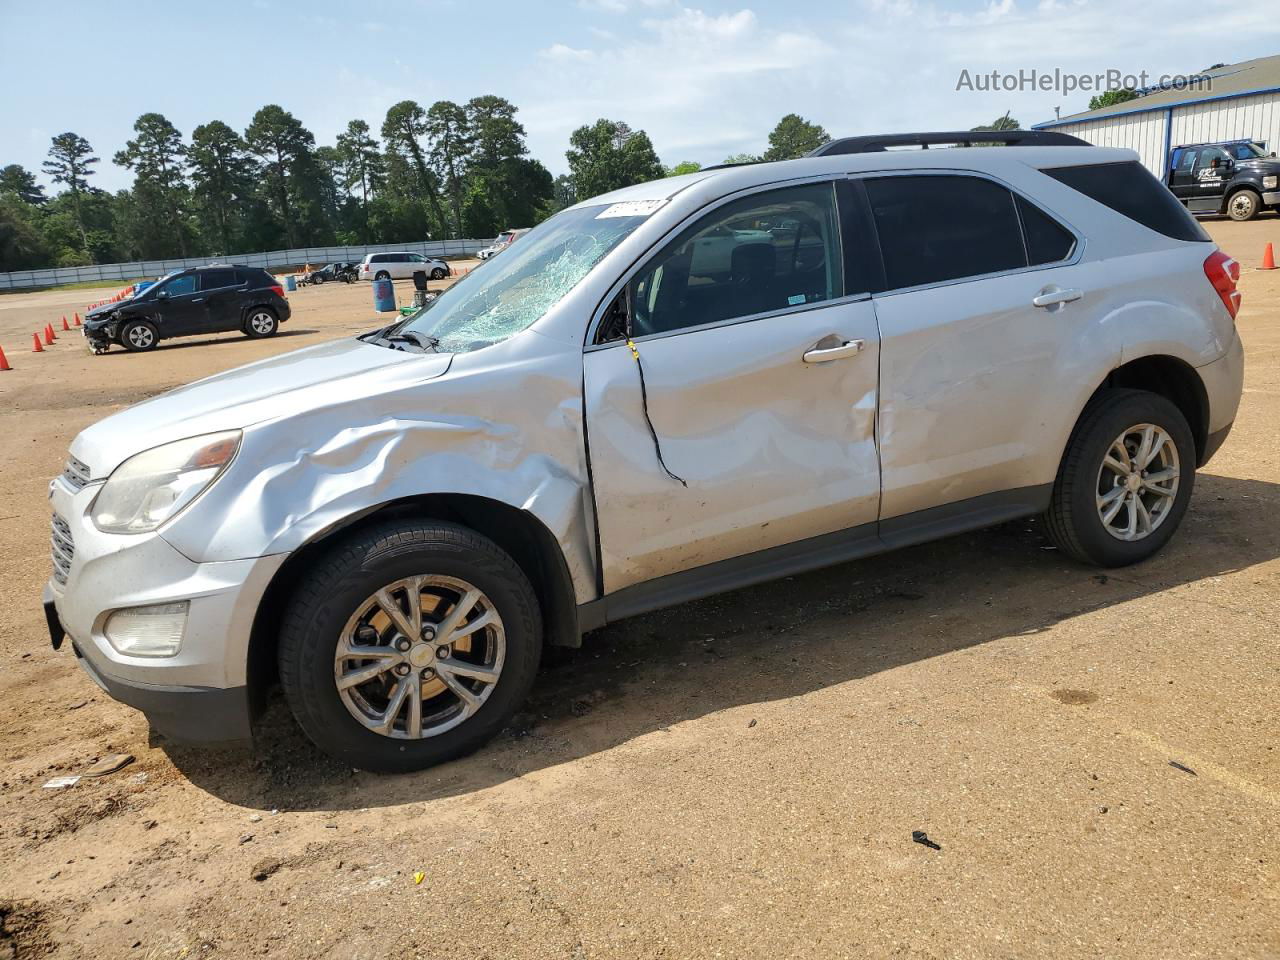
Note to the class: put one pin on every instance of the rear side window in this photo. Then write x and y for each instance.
(1129, 189)
(217, 279)
(261, 278)
(1048, 241)
(936, 228)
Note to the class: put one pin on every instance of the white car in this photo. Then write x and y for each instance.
(505, 239)
(929, 342)
(401, 266)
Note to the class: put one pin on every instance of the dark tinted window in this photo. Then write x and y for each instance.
(767, 251)
(261, 278)
(215, 279)
(1129, 189)
(935, 228)
(1048, 241)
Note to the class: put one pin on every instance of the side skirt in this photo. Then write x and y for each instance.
(816, 552)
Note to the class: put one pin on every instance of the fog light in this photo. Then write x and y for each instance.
(154, 631)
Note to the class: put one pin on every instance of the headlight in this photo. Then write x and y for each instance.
(157, 484)
(1269, 183)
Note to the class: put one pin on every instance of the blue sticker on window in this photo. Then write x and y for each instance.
(795, 298)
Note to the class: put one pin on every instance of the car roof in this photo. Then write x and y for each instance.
(981, 159)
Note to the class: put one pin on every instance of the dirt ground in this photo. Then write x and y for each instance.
(1096, 754)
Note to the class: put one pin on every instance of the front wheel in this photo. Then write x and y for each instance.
(1125, 481)
(382, 275)
(409, 644)
(438, 273)
(1244, 205)
(261, 323)
(138, 336)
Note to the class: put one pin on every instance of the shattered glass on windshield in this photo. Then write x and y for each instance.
(511, 291)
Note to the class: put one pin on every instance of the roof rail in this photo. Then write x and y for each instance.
(878, 143)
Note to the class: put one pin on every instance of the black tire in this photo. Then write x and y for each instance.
(260, 323)
(1072, 520)
(438, 273)
(352, 571)
(139, 336)
(1244, 205)
(382, 275)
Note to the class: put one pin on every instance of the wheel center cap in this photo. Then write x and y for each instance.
(1133, 482)
(422, 654)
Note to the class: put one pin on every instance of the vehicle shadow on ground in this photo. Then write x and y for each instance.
(183, 344)
(765, 643)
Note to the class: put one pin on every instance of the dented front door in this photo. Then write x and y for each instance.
(774, 447)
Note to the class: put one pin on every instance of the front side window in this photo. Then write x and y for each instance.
(511, 293)
(761, 253)
(938, 228)
(177, 286)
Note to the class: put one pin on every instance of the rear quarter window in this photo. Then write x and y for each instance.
(1129, 189)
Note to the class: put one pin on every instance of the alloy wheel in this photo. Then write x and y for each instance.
(141, 336)
(261, 322)
(419, 657)
(1138, 482)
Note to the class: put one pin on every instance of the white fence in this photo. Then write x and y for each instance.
(272, 259)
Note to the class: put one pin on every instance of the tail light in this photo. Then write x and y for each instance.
(278, 291)
(1224, 273)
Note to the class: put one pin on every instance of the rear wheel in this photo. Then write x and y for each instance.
(1244, 205)
(138, 336)
(1125, 481)
(261, 323)
(382, 275)
(409, 644)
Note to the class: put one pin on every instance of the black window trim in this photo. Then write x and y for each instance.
(643, 260)
(1077, 249)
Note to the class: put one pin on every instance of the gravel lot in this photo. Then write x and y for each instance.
(738, 777)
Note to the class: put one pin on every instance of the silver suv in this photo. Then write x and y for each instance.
(680, 388)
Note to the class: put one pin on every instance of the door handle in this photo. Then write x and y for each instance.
(198, 300)
(1051, 297)
(823, 354)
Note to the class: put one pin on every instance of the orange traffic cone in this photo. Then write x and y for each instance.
(35, 344)
(64, 324)
(1268, 259)
(77, 319)
(4, 364)
(48, 335)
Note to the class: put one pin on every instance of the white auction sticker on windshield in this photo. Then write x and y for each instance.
(630, 208)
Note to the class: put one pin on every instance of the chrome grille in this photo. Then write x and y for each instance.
(63, 549)
(76, 473)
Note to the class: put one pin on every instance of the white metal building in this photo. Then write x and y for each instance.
(1240, 102)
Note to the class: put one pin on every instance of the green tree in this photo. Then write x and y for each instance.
(157, 158)
(685, 166)
(449, 130)
(999, 123)
(283, 143)
(223, 179)
(362, 165)
(403, 131)
(742, 158)
(71, 162)
(19, 182)
(1110, 98)
(794, 137)
(21, 246)
(609, 155)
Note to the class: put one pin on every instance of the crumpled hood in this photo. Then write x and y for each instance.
(270, 389)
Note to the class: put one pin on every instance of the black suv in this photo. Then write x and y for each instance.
(1235, 177)
(193, 302)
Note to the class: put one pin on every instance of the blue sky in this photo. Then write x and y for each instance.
(705, 79)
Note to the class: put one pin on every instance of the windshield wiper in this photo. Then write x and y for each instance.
(422, 340)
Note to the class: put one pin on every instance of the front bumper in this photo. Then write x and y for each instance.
(201, 692)
(1271, 198)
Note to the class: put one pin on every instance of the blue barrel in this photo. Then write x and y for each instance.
(291, 283)
(384, 296)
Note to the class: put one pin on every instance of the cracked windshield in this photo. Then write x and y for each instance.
(509, 293)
